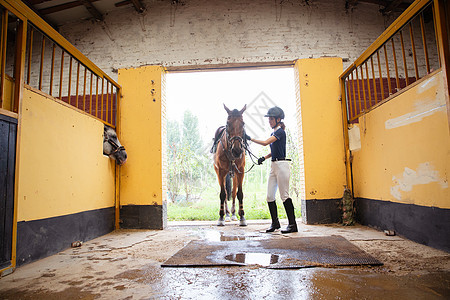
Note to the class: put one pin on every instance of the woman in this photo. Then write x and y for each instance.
(279, 171)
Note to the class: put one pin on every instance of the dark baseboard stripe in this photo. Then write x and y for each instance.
(41, 238)
(425, 225)
(322, 211)
(143, 216)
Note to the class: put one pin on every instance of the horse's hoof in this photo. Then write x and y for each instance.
(234, 218)
(221, 223)
(243, 222)
(227, 219)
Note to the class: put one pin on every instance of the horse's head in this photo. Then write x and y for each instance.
(112, 146)
(235, 131)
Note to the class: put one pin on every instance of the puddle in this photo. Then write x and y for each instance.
(262, 259)
(215, 236)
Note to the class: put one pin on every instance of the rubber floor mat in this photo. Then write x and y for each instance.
(277, 253)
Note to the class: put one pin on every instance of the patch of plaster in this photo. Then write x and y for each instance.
(417, 115)
(425, 107)
(405, 182)
(354, 138)
(424, 86)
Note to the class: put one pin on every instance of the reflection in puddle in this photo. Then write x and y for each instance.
(262, 259)
(215, 236)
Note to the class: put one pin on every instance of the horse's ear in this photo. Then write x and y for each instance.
(226, 108)
(243, 109)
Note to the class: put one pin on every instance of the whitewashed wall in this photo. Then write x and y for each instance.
(199, 32)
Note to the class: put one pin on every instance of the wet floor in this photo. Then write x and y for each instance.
(127, 265)
(253, 258)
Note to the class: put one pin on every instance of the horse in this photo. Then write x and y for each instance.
(112, 147)
(229, 159)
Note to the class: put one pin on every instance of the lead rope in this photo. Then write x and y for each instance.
(247, 148)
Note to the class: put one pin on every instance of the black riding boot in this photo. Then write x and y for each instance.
(274, 215)
(292, 227)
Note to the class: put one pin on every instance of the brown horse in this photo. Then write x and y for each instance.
(229, 158)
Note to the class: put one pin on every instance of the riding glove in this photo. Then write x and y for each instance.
(261, 160)
(247, 137)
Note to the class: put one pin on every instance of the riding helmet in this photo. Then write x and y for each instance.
(275, 112)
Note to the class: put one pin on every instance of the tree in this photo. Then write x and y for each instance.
(188, 164)
(173, 134)
(173, 166)
(292, 150)
(191, 134)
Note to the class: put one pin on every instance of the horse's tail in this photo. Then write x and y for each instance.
(228, 186)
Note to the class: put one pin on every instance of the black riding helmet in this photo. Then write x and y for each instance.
(275, 112)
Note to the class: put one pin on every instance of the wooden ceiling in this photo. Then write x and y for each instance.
(387, 6)
(59, 12)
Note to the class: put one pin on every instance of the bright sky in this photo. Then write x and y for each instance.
(204, 93)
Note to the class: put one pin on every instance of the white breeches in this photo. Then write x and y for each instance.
(280, 173)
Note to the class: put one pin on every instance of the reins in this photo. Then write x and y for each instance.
(228, 154)
(247, 148)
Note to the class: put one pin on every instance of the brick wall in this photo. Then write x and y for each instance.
(199, 32)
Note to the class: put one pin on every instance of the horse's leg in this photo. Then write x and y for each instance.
(227, 211)
(228, 191)
(223, 200)
(233, 204)
(240, 196)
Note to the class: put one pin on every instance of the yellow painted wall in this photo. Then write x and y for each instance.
(321, 126)
(142, 127)
(62, 169)
(405, 148)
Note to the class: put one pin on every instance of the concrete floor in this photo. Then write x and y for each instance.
(126, 264)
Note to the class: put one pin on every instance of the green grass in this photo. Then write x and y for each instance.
(207, 208)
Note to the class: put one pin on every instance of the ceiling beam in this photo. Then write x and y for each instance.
(378, 2)
(61, 7)
(385, 4)
(34, 2)
(352, 2)
(30, 3)
(138, 6)
(92, 10)
(393, 5)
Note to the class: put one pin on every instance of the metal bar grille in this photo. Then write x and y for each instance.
(77, 104)
(405, 66)
(52, 69)
(41, 71)
(421, 56)
(381, 76)
(424, 41)
(30, 53)
(49, 66)
(397, 80)
(411, 33)
(61, 75)
(373, 81)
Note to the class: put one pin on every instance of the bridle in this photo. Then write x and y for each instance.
(242, 142)
(115, 146)
(229, 142)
